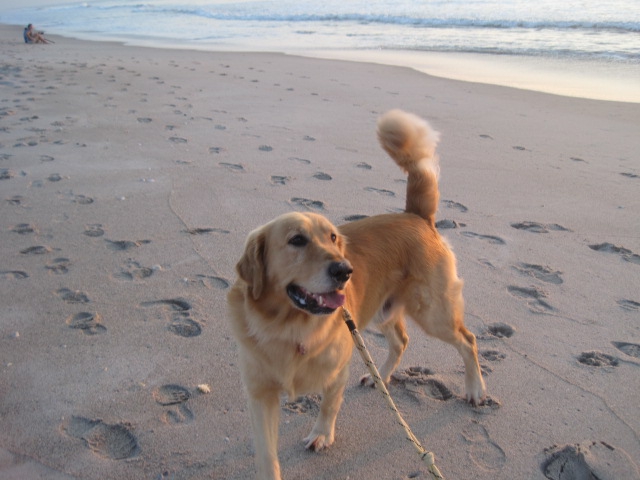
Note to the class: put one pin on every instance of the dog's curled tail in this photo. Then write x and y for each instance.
(411, 142)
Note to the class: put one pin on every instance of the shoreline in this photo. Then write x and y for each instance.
(557, 77)
(130, 179)
(572, 78)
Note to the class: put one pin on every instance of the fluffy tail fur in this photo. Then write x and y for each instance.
(411, 142)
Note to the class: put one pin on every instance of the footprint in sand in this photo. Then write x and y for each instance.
(210, 281)
(174, 397)
(305, 404)
(545, 274)
(181, 324)
(24, 229)
(498, 330)
(445, 224)
(631, 349)
(629, 305)
(122, 245)
(265, 148)
(94, 230)
(134, 271)
(494, 355)
(176, 304)
(322, 176)
(82, 200)
(114, 442)
(177, 140)
(185, 327)
(16, 200)
(487, 238)
(625, 253)
(598, 359)
(72, 296)
(588, 460)
(234, 167)
(279, 180)
(89, 323)
(483, 451)
(205, 230)
(630, 175)
(455, 205)
(535, 227)
(36, 250)
(171, 395)
(364, 166)
(216, 150)
(354, 218)
(308, 204)
(420, 382)
(534, 297)
(380, 191)
(300, 160)
(15, 274)
(6, 174)
(59, 266)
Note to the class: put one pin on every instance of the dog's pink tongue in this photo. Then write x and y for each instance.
(333, 299)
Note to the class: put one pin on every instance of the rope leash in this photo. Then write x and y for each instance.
(425, 456)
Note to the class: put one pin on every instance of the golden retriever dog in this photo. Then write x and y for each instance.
(299, 270)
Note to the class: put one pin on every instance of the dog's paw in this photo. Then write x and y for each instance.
(317, 442)
(475, 401)
(367, 381)
(476, 393)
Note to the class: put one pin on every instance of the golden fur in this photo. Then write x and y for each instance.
(299, 269)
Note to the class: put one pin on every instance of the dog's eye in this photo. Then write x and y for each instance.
(298, 240)
(334, 238)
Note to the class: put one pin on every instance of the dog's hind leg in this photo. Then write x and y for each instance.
(444, 319)
(392, 326)
(465, 342)
(468, 349)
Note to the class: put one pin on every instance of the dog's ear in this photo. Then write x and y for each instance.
(252, 267)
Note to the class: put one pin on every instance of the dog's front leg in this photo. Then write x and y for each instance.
(265, 416)
(323, 432)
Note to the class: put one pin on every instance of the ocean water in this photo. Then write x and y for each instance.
(603, 34)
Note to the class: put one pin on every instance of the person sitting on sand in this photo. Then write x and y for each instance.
(31, 36)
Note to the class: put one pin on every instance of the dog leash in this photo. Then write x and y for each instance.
(425, 456)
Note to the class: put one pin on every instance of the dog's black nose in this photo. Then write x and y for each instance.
(340, 271)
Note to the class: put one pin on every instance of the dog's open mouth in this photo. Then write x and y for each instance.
(315, 303)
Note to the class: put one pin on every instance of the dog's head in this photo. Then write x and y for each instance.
(299, 256)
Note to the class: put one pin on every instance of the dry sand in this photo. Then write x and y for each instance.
(129, 178)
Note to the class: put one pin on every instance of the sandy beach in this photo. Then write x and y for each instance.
(130, 177)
